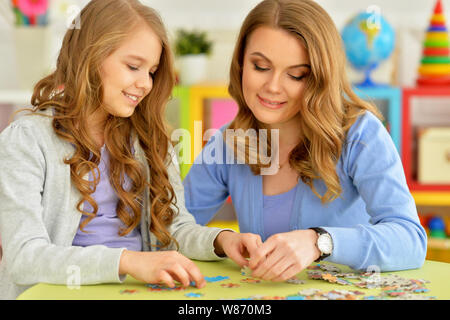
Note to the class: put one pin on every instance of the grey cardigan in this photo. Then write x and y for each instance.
(39, 219)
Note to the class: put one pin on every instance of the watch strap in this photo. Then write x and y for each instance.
(319, 232)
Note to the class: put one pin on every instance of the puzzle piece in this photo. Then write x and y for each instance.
(250, 280)
(230, 285)
(129, 291)
(295, 281)
(246, 271)
(193, 295)
(160, 287)
(216, 279)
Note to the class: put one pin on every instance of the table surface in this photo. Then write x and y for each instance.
(437, 273)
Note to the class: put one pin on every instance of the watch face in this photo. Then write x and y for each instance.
(325, 244)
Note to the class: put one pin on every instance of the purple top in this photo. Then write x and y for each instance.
(277, 211)
(104, 228)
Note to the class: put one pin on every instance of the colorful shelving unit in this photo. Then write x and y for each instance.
(423, 107)
(201, 107)
(388, 100)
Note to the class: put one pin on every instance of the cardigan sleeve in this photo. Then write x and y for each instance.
(29, 254)
(195, 241)
(394, 239)
(206, 185)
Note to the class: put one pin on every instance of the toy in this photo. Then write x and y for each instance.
(435, 64)
(437, 227)
(368, 40)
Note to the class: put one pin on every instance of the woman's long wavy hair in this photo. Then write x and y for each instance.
(104, 25)
(330, 106)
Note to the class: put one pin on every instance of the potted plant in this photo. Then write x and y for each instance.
(192, 49)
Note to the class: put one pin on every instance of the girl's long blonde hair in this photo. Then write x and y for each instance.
(329, 106)
(75, 91)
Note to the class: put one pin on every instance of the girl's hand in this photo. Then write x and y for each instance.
(163, 266)
(237, 246)
(283, 255)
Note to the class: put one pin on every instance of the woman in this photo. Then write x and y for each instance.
(338, 170)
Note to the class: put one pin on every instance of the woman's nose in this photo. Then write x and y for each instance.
(274, 83)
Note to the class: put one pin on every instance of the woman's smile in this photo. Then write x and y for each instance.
(270, 103)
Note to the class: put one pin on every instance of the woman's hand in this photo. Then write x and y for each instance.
(237, 246)
(283, 255)
(162, 266)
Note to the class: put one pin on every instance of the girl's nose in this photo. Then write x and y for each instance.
(145, 82)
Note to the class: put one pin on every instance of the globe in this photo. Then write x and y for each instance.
(368, 40)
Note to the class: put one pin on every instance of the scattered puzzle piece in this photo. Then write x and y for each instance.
(217, 278)
(193, 295)
(160, 287)
(230, 285)
(246, 271)
(329, 277)
(295, 281)
(250, 280)
(129, 291)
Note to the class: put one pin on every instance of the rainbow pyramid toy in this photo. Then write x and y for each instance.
(435, 64)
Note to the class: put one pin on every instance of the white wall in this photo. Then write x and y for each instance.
(222, 19)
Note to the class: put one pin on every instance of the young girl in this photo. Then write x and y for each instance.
(87, 179)
(340, 193)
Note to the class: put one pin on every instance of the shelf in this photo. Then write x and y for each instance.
(439, 244)
(414, 117)
(427, 198)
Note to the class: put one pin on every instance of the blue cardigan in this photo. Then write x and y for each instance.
(374, 222)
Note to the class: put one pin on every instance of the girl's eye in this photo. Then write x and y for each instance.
(151, 74)
(258, 68)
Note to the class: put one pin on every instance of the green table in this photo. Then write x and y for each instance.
(435, 272)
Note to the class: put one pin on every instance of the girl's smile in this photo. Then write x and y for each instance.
(133, 99)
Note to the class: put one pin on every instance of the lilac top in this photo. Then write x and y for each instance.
(103, 229)
(277, 212)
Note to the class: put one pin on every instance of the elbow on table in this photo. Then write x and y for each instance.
(21, 270)
(414, 256)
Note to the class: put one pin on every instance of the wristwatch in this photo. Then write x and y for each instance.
(324, 243)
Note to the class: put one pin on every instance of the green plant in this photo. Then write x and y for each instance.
(192, 42)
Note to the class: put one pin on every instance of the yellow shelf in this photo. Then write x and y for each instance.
(439, 250)
(431, 198)
(440, 244)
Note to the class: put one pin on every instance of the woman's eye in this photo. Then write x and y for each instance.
(297, 78)
(258, 68)
(133, 68)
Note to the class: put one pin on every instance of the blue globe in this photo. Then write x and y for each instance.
(368, 39)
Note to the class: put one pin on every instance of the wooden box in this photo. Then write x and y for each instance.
(423, 107)
(434, 155)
